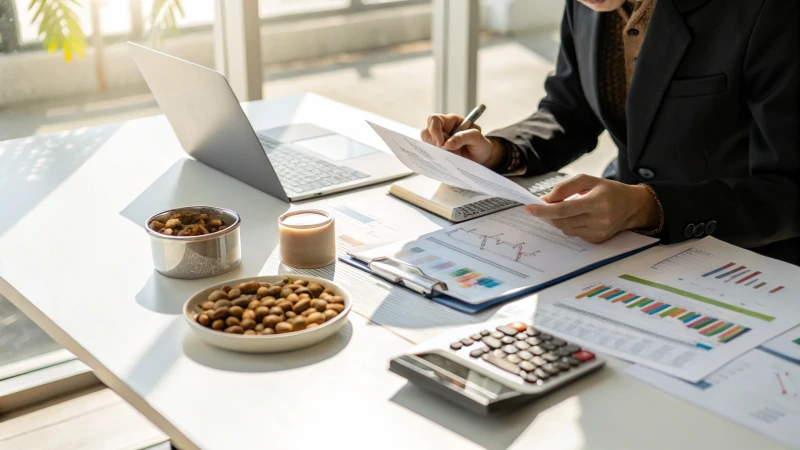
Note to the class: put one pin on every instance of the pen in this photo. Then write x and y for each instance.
(473, 116)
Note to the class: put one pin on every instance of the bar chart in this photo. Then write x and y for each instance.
(741, 275)
(706, 325)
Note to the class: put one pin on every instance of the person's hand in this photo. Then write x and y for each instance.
(469, 143)
(603, 209)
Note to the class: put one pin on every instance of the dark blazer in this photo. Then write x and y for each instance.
(713, 117)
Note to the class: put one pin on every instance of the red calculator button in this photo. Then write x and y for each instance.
(519, 326)
(584, 356)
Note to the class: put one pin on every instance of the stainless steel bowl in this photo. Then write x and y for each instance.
(192, 257)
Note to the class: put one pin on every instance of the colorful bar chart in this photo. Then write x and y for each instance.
(748, 276)
(707, 326)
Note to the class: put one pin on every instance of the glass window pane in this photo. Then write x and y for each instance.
(20, 338)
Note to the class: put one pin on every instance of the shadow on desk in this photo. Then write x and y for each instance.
(204, 354)
(498, 431)
(189, 183)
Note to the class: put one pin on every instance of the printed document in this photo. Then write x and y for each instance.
(686, 310)
(495, 255)
(451, 169)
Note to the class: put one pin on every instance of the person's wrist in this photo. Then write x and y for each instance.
(498, 154)
(646, 214)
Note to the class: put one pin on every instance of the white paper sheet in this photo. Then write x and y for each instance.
(443, 166)
(758, 390)
(786, 345)
(488, 257)
(679, 310)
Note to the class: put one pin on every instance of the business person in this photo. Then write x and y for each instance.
(700, 97)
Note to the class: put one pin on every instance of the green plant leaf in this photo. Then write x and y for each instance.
(59, 27)
(163, 18)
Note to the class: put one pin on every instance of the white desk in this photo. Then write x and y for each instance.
(76, 260)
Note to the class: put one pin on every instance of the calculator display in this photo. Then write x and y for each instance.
(474, 383)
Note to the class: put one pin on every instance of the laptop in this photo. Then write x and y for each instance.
(292, 162)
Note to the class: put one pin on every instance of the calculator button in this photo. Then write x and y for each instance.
(456, 345)
(507, 330)
(551, 357)
(584, 356)
(485, 332)
(510, 349)
(533, 341)
(467, 342)
(571, 361)
(519, 326)
(514, 359)
(503, 364)
(551, 369)
(558, 342)
(536, 350)
(478, 352)
(564, 351)
(476, 337)
(492, 342)
(572, 348)
(521, 336)
(538, 360)
(545, 336)
(527, 366)
(531, 378)
(562, 365)
(541, 373)
(524, 354)
(548, 346)
(507, 340)
(499, 353)
(532, 331)
(522, 345)
(497, 334)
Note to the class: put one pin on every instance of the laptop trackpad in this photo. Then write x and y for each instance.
(336, 147)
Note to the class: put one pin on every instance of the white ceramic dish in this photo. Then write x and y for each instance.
(267, 343)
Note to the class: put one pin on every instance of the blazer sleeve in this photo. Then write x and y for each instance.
(564, 127)
(764, 207)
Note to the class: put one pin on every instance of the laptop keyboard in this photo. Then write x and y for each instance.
(300, 172)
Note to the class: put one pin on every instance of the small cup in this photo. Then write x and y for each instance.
(307, 238)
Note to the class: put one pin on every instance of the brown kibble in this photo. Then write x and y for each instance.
(261, 312)
(156, 225)
(301, 282)
(203, 320)
(231, 321)
(283, 327)
(222, 303)
(207, 305)
(236, 329)
(308, 312)
(243, 301)
(274, 291)
(249, 333)
(302, 290)
(167, 231)
(337, 299)
(234, 293)
(218, 325)
(311, 325)
(262, 292)
(293, 298)
(298, 323)
(236, 311)
(301, 306)
(173, 223)
(214, 223)
(285, 305)
(316, 317)
(249, 314)
(315, 289)
(293, 286)
(249, 287)
(290, 314)
(327, 291)
(308, 296)
(271, 320)
(248, 324)
(320, 305)
(219, 313)
(259, 327)
(268, 331)
(226, 288)
(222, 227)
(285, 292)
(338, 307)
(330, 314)
(277, 310)
(269, 302)
(326, 297)
(253, 304)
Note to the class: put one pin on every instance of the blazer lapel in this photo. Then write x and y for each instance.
(667, 39)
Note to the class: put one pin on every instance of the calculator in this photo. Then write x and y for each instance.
(494, 366)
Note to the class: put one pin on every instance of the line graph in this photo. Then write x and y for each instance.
(788, 386)
(495, 244)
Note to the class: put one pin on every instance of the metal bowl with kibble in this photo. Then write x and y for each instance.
(266, 314)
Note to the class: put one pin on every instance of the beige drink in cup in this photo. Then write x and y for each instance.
(307, 238)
